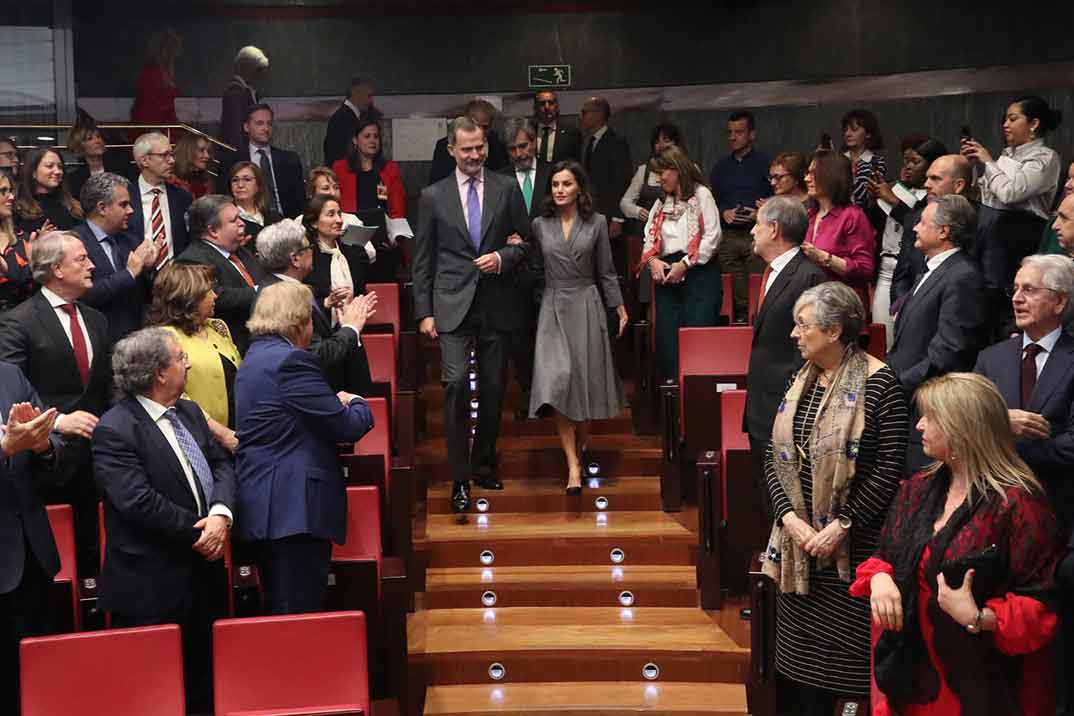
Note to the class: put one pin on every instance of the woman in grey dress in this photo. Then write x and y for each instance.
(574, 374)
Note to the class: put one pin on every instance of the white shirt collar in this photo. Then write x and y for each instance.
(54, 299)
(285, 277)
(222, 252)
(156, 410)
(1047, 342)
(866, 156)
(783, 259)
(551, 127)
(1023, 149)
(347, 103)
(599, 134)
(935, 261)
(461, 178)
(145, 188)
(254, 149)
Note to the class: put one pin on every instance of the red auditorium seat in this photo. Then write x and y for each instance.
(727, 307)
(296, 664)
(117, 671)
(878, 341)
(65, 583)
(388, 309)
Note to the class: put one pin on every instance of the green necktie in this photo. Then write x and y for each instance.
(527, 190)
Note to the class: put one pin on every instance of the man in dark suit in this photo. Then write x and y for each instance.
(481, 112)
(281, 169)
(122, 265)
(774, 357)
(62, 347)
(533, 177)
(159, 207)
(606, 158)
(356, 107)
(241, 94)
(938, 329)
(286, 255)
(29, 458)
(217, 229)
(554, 141)
(169, 489)
(463, 293)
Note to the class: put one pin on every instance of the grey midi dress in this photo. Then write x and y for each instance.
(573, 370)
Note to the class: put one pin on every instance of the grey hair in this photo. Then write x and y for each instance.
(789, 214)
(137, 358)
(461, 123)
(956, 213)
(834, 304)
(278, 242)
(1057, 271)
(513, 125)
(251, 57)
(204, 214)
(144, 144)
(49, 251)
(100, 189)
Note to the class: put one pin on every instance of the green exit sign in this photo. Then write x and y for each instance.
(550, 76)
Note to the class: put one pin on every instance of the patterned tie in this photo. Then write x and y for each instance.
(473, 214)
(764, 286)
(546, 150)
(270, 179)
(234, 258)
(1029, 373)
(156, 220)
(193, 454)
(527, 190)
(78, 343)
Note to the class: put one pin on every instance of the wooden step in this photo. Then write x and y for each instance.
(541, 456)
(571, 644)
(511, 426)
(555, 538)
(586, 698)
(561, 586)
(548, 495)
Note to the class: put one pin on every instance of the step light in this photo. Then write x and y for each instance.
(601, 503)
(617, 574)
(602, 519)
(626, 598)
(617, 555)
(593, 468)
(474, 404)
(482, 504)
(594, 483)
(497, 671)
(487, 557)
(486, 575)
(488, 598)
(650, 672)
(483, 521)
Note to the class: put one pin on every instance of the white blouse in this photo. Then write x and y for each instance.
(675, 236)
(1024, 178)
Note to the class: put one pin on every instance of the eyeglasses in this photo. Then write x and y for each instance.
(243, 180)
(803, 327)
(305, 247)
(10, 154)
(775, 178)
(1027, 291)
(167, 155)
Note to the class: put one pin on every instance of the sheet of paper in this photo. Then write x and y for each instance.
(399, 227)
(358, 235)
(413, 139)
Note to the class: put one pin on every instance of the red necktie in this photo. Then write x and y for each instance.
(764, 285)
(242, 269)
(1029, 373)
(78, 342)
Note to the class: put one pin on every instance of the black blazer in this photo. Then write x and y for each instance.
(149, 509)
(179, 201)
(774, 356)
(444, 164)
(446, 282)
(22, 513)
(287, 168)
(234, 297)
(1053, 398)
(610, 171)
(121, 297)
(340, 131)
(320, 278)
(568, 144)
(32, 338)
(115, 161)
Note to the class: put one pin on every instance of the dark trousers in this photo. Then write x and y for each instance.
(205, 602)
(294, 573)
(694, 302)
(523, 345)
(23, 613)
(737, 258)
(476, 332)
(758, 445)
(793, 699)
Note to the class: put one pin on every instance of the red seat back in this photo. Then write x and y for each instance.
(378, 440)
(117, 671)
(381, 350)
(718, 351)
(727, 308)
(754, 294)
(878, 341)
(61, 519)
(732, 407)
(388, 311)
(363, 526)
(300, 661)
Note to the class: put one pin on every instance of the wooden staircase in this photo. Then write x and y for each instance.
(540, 603)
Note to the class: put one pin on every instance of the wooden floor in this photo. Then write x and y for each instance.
(525, 611)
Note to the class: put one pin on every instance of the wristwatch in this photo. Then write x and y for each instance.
(975, 627)
(828, 261)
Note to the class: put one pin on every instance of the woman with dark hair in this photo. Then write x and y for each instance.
(251, 196)
(43, 202)
(840, 238)
(786, 174)
(86, 142)
(9, 157)
(1017, 191)
(371, 187)
(16, 283)
(861, 141)
(192, 165)
(645, 189)
(575, 376)
(339, 270)
(962, 581)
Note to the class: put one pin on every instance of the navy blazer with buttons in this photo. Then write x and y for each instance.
(116, 293)
(179, 201)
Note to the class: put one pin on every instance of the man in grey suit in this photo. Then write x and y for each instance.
(464, 296)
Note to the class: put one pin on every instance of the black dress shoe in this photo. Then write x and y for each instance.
(488, 482)
(574, 491)
(460, 497)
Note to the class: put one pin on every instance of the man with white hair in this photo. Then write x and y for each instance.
(159, 207)
(241, 94)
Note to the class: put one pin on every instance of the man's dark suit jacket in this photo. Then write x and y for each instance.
(1052, 460)
(287, 168)
(610, 171)
(32, 338)
(149, 509)
(446, 282)
(179, 201)
(528, 273)
(444, 164)
(541, 179)
(568, 144)
(342, 359)
(121, 297)
(774, 356)
(234, 297)
(340, 131)
(22, 513)
(911, 262)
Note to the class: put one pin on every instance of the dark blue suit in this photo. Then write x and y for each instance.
(292, 495)
(117, 294)
(179, 201)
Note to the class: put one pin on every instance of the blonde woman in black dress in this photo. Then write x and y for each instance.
(574, 374)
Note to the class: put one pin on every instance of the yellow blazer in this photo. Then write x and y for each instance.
(205, 383)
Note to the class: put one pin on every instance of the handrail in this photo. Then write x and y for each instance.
(185, 127)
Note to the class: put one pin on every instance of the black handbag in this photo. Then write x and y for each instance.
(988, 568)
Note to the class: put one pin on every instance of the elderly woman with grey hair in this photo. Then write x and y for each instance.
(833, 465)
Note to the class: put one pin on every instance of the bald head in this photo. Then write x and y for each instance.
(1064, 224)
(949, 174)
(596, 111)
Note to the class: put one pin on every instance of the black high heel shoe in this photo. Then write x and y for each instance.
(574, 491)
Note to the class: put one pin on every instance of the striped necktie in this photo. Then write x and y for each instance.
(156, 220)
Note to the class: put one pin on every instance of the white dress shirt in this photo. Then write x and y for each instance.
(255, 157)
(1047, 345)
(521, 174)
(675, 234)
(156, 414)
(629, 203)
(932, 264)
(777, 265)
(548, 152)
(1024, 178)
(65, 320)
(145, 191)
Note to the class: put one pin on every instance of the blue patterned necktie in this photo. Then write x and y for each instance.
(473, 214)
(193, 455)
